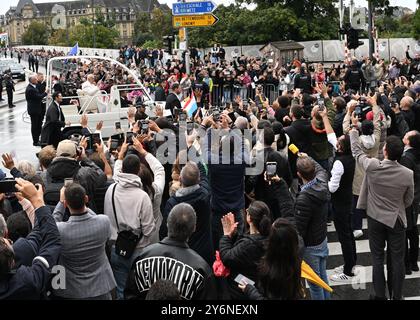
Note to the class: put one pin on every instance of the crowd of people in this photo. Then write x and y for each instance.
(226, 202)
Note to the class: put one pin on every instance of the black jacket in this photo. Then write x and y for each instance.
(201, 240)
(311, 209)
(34, 100)
(411, 160)
(172, 102)
(54, 121)
(85, 172)
(29, 281)
(299, 133)
(275, 195)
(160, 94)
(175, 261)
(241, 254)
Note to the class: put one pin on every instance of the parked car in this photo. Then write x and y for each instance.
(18, 72)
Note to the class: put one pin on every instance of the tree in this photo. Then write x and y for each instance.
(415, 31)
(59, 38)
(36, 34)
(152, 27)
(83, 34)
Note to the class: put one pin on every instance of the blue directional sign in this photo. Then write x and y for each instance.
(185, 8)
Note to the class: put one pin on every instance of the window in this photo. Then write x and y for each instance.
(124, 17)
(125, 33)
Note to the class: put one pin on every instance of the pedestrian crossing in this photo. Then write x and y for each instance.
(361, 286)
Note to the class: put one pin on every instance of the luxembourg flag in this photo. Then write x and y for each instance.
(189, 105)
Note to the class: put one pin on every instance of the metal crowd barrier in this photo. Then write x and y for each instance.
(222, 95)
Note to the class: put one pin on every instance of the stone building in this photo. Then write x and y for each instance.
(69, 13)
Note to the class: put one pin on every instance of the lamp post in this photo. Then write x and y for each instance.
(93, 21)
(370, 28)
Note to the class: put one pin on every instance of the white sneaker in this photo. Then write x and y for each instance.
(357, 234)
(341, 277)
(339, 269)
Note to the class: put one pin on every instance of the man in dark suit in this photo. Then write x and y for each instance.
(54, 121)
(172, 101)
(34, 100)
(42, 87)
(10, 88)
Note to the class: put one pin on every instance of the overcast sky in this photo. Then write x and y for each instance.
(412, 4)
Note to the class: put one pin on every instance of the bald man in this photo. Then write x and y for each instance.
(406, 105)
(34, 107)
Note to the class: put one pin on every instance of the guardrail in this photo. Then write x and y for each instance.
(221, 95)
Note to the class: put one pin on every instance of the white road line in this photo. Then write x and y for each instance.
(364, 225)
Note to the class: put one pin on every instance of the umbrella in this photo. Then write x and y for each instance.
(310, 275)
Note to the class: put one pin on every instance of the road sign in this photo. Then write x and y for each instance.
(201, 20)
(199, 7)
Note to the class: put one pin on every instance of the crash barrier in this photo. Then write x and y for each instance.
(226, 94)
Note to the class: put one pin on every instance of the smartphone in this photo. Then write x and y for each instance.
(182, 116)
(114, 144)
(129, 137)
(216, 115)
(96, 138)
(321, 103)
(232, 116)
(67, 182)
(293, 149)
(242, 279)
(358, 111)
(8, 186)
(118, 125)
(144, 126)
(271, 169)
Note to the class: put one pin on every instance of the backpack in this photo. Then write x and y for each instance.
(52, 190)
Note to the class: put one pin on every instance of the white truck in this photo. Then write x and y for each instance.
(101, 106)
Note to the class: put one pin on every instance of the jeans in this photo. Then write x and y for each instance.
(316, 258)
(217, 228)
(342, 222)
(394, 238)
(358, 215)
(121, 268)
(227, 94)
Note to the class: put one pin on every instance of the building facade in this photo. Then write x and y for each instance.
(68, 14)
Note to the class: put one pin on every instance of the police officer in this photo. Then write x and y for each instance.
(10, 88)
(354, 78)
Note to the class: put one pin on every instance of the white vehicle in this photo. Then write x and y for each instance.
(101, 106)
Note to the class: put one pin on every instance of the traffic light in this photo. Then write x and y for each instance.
(353, 39)
(167, 43)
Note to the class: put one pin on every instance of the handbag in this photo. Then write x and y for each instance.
(127, 240)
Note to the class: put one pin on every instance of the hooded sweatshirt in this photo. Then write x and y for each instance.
(133, 208)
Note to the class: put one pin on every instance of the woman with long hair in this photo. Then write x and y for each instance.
(279, 273)
(241, 254)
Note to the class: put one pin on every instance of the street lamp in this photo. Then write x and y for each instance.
(94, 28)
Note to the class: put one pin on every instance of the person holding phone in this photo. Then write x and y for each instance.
(272, 185)
(42, 246)
(242, 253)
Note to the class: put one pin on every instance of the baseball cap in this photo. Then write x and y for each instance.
(67, 148)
